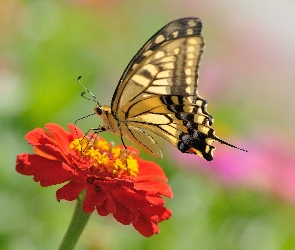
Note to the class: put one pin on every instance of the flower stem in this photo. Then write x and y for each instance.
(78, 222)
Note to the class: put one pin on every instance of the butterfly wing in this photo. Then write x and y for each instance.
(158, 92)
(175, 34)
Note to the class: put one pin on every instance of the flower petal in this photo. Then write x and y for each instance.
(155, 187)
(145, 226)
(94, 198)
(35, 135)
(129, 199)
(45, 171)
(70, 191)
(102, 210)
(61, 136)
(150, 170)
(147, 223)
(44, 143)
(123, 215)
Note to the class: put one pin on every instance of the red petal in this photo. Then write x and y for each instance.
(150, 170)
(46, 144)
(109, 187)
(155, 187)
(70, 191)
(93, 198)
(45, 171)
(166, 214)
(147, 223)
(126, 183)
(101, 210)
(51, 150)
(110, 204)
(23, 165)
(34, 135)
(156, 213)
(156, 200)
(62, 137)
(145, 226)
(129, 199)
(123, 215)
(163, 213)
(75, 131)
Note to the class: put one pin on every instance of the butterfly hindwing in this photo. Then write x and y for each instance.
(143, 139)
(176, 120)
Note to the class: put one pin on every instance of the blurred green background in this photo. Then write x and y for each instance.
(237, 201)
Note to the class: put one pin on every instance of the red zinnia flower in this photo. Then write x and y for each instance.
(131, 192)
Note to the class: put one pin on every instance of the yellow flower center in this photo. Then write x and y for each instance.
(104, 157)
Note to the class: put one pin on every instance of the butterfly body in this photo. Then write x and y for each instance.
(157, 94)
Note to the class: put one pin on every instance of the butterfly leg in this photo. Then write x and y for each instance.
(96, 132)
(123, 143)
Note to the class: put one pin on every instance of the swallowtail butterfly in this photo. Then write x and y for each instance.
(157, 94)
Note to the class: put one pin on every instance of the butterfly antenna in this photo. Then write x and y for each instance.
(228, 144)
(83, 118)
(83, 93)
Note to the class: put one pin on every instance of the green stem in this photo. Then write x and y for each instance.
(78, 222)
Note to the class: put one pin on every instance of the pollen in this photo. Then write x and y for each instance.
(116, 151)
(78, 144)
(103, 157)
(102, 145)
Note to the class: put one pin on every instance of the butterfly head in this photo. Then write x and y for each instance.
(98, 109)
(109, 121)
(102, 111)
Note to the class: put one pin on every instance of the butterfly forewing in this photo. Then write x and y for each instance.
(138, 67)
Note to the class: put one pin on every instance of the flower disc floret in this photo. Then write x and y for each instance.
(104, 158)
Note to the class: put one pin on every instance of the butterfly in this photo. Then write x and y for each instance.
(157, 94)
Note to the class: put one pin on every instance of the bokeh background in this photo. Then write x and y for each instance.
(238, 201)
